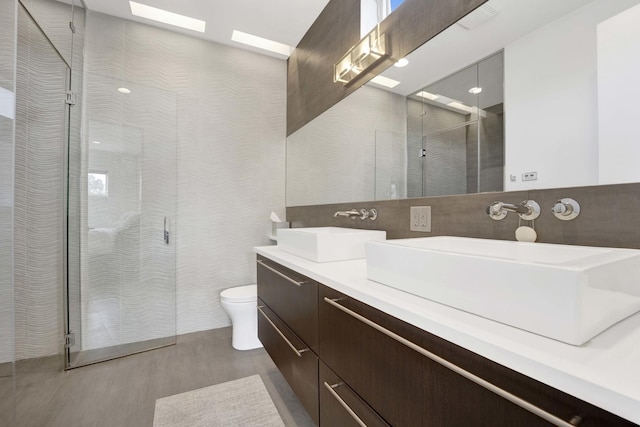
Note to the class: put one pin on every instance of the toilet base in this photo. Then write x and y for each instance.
(245, 342)
(244, 324)
(240, 305)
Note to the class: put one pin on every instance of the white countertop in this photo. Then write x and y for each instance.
(604, 372)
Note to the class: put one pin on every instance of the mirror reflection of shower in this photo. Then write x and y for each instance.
(373, 12)
(457, 124)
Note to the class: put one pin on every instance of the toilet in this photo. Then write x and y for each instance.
(240, 305)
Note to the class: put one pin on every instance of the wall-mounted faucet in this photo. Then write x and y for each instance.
(527, 210)
(362, 214)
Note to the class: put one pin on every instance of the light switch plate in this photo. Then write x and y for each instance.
(420, 218)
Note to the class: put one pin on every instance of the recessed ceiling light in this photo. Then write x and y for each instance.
(261, 43)
(402, 62)
(166, 17)
(385, 81)
(97, 142)
(124, 90)
(475, 90)
(427, 95)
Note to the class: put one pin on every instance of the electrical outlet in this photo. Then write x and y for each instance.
(420, 218)
(530, 176)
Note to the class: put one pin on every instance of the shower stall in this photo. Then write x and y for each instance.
(455, 126)
(91, 202)
(121, 294)
(124, 301)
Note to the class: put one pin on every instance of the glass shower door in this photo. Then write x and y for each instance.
(125, 301)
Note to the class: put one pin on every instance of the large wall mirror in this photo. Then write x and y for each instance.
(520, 94)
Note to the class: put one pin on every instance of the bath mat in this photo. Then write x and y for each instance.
(243, 402)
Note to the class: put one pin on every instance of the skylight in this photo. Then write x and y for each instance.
(385, 81)
(166, 17)
(261, 43)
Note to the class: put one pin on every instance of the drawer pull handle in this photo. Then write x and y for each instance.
(343, 403)
(284, 276)
(295, 350)
(458, 370)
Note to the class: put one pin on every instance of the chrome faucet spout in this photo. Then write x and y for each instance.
(527, 210)
(362, 214)
(350, 214)
(521, 209)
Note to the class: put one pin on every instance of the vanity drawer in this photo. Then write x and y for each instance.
(341, 406)
(379, 359)
(297, 363)
(292, 296)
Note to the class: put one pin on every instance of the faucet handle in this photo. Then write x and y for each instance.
(534, 210)
(566, 209)
(372, 215)
(495, 211)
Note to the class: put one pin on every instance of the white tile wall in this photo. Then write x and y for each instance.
(332, 158)
(7, 66)
(231, 150)
(39, 192)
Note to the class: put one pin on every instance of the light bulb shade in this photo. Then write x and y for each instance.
(363, 56)
(342, 68)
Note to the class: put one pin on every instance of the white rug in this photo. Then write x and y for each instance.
(243, 402)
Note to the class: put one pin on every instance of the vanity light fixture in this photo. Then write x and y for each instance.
(402, 62)
(360, 58)
(261, 43)
(475, 90)
(385, 81)
(166, 17)
(124, 90)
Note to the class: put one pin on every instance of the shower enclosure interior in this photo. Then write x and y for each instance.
(457, 147)
(124, 300)
(95, 198)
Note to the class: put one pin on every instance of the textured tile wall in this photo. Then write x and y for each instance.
(42, 79)
(607, 217)
(7, 68)
(39, 192)
(54, 20)
(230, 148)
(443, 171)
(390, 165)
(492, 150)
(343, 139)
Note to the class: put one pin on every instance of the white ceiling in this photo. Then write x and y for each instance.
(283, 21)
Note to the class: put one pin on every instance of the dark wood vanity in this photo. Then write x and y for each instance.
(352, 365)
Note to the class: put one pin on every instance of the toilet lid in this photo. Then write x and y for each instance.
(246, 293)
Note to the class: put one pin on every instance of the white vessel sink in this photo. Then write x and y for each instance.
(568, 293)
(324, 244)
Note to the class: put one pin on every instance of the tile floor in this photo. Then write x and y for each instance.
(123, 392)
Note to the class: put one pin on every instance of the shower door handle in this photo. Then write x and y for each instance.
(166, 230)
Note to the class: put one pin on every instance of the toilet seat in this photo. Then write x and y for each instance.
(240, 294)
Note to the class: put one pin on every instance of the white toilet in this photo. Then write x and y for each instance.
(240, 305)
